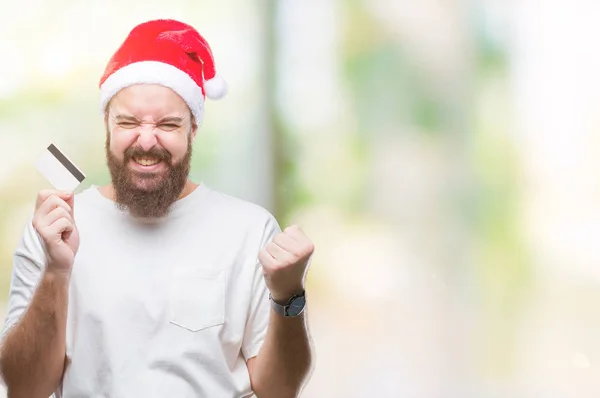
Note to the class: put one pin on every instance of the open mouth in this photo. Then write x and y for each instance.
(146, 161)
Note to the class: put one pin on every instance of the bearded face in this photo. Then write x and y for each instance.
(147, 194)
(148, 148)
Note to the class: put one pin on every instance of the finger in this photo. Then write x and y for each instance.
(265, 259)
(59, 227)
(305, 245)
(52, 203)
(43, 218)
(43, 195)
(286, 242)
(279, 253)
(55, 215)
(294, 232)
(71, 202)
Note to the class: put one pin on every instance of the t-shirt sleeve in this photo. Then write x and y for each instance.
(28, 264)
(259, 310)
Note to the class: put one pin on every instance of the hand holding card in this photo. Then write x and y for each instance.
(54, 221)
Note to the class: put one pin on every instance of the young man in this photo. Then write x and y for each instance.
(156, 286)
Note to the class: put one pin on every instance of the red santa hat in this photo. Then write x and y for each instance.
(166, 52)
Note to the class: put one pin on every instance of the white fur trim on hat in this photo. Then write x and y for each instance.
(154, 72)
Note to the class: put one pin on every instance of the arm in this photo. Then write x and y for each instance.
(33, 351)
(283, 364)
(282, 367)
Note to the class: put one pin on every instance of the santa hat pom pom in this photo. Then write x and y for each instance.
(215, 88)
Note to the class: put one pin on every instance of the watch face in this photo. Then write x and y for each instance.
(297, 306)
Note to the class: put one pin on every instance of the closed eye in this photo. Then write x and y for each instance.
(169, 126)
(127, 125)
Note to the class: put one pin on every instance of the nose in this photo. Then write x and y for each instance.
(147, 139)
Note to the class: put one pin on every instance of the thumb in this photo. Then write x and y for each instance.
(70, 199)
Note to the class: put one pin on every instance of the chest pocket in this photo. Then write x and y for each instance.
(197, 298)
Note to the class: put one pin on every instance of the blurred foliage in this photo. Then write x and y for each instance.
(502, 268)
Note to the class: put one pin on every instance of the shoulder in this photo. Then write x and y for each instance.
(87, 195)
(90, 203)
(243, 218)
(240, 210)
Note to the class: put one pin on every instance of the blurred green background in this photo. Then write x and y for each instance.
(443, 156)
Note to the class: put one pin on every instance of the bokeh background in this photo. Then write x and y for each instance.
(443, 155)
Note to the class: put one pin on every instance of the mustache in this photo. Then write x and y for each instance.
(157, 153)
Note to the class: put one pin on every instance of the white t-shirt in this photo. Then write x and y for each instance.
(171, 308)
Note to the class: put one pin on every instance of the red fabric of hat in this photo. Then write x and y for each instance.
(169, 53)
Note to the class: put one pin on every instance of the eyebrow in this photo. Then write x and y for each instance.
(168, 119)
(126, 118)
(171, 119)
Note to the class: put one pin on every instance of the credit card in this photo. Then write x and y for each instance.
(58, 169)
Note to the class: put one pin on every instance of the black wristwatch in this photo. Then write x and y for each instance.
(293, 307)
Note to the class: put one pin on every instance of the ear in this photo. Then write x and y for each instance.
(194, 130)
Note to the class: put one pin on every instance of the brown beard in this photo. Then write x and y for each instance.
(159, 191)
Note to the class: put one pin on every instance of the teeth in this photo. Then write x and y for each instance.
(146, 161)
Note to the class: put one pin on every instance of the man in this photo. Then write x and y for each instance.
(156, 286)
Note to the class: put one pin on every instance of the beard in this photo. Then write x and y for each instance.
(147, 195)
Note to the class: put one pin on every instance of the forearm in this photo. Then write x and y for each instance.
(285, 359)
(33, 353)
